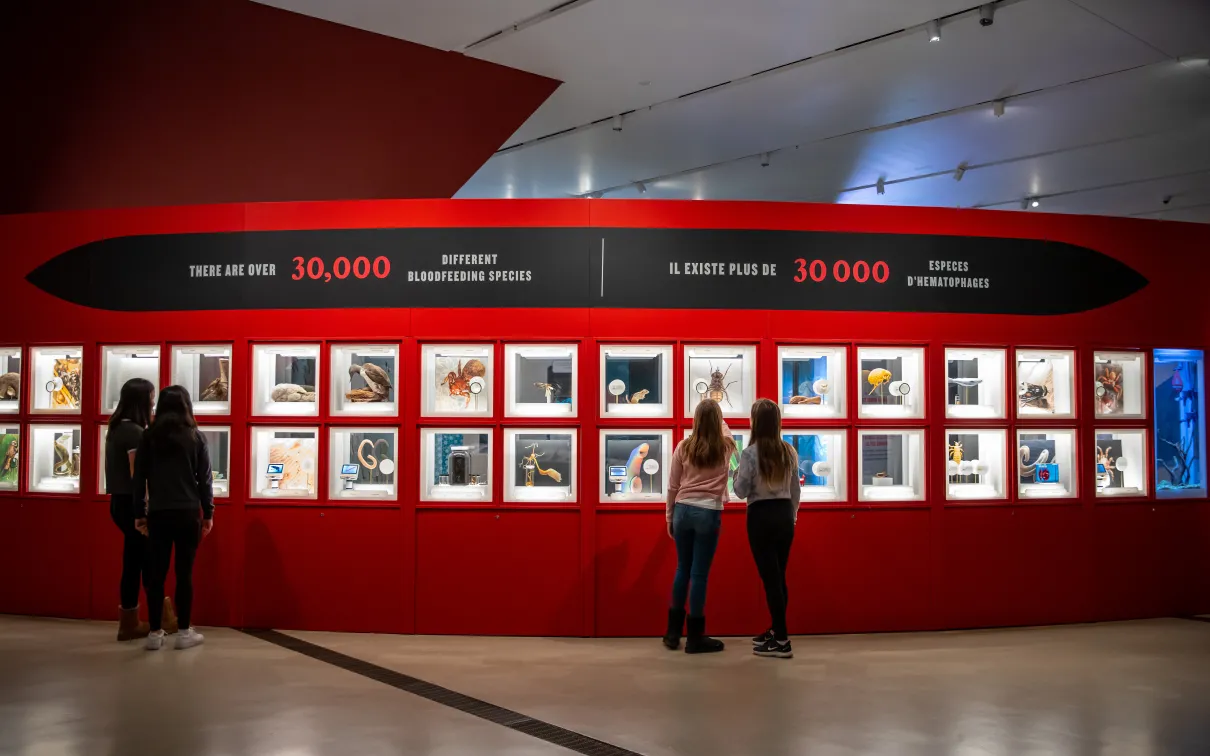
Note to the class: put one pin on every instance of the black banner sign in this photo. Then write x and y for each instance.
(586, 267)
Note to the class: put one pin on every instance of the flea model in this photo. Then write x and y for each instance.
(717, 388)
(549, 389)
(292, 392)
(459, 382)
(531, 465)
(634, 468)
(218, 390)
(878, 378)
(1025, 468)
(378, 384)
(10, 387)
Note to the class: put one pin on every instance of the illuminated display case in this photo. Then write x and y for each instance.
(890, 382)
(218, 441)
(821, 468)
(456, 464)
(726, 374)
(285, 380)
(123, 363)
(362, 463)
(636, 381)
(811, 381)
(974, 383)
(540, 465)
(1044, 463)
(1045, 383)
(10, 456)
(890, 465)
(974, 463)
(365, 379)
(457, 380)
(1121, 462)
(1119, 385)
(10, 380)
(56, 380)
(205, 371)
(1180, 442)
(284, 463)
(54, 459)
(633, 465)
(741, 440)
(540, 380)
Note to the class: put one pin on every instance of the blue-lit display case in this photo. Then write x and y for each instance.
(1180, 459)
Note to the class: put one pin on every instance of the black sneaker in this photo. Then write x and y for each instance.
(775, 649)
(760, 640)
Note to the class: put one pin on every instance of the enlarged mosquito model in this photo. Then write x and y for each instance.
(531, 466)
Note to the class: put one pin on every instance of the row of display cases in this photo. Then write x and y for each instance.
(540, 380)
(540, 464)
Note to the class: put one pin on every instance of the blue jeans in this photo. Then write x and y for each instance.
(695, 531)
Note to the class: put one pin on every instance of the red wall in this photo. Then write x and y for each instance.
(585, 568)
(145, 103)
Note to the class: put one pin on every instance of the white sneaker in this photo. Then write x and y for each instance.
(189, 637)
(155, 640)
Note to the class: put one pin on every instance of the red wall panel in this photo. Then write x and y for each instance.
(1138, 561)
(44, 545)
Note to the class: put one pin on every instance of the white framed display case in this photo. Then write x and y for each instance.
(1045, 463)
(102, 434)
(56, 379)
(123, 363)
(218, 441)
(890, 382)
(636, 380)
(456, 464)
(365, 379)
(540, 465)
(457, 380)
(54, 459)
(633, 465)
(1045, 383)
(1119, 385)
(540, 380)
(975, 463)
(821, 463)
(205, 371)
(726, 374)
(362, 463)
(10, 456)
(285, 380)
(974, 383)
(741, 440)
(890, 465)
(811, 381)
(285, 462)
(1180, 439)
(10, 380)
(1121, 462)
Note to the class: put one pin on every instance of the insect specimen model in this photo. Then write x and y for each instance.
(956, 451)
(878, 378)
(65, 387)
(1109, 390)
(460, 383)
(378, 384)
(1033, 395)
(717, 388)
(531, 465)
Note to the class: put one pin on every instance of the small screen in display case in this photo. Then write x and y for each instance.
(285, 379)
(457, 380)
(1045, 383)
(364, 379)
(821, 471)
(891, 465)
(540, 465)
(1121, 465)
(205, 371)
(726, 374)
(1180, 451)
(811, 381)
(455, 464)
(10, 456)
(634, 465)
(974, 464)
(636, 381)
(1119, 385)
(890, 381)
(284, 462)
(57, 379)
(372, 451)
(120, 364)
(974, 383)
(1045, 464)
(54, 464)
(10, 380)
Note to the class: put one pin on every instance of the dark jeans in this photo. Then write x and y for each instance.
(695, 530)
(770, 535)
(136, 554)
(182, 529)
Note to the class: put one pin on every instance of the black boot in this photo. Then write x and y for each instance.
(672, 636)
(696, 640)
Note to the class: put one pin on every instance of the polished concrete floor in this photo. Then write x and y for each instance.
(1122, 688)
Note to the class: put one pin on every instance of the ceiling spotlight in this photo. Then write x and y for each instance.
(617, 123)
(764, 160)
(641, 187)
(998, 108)
(987, 14)
(1034, 203)
(881, 185)
(960, 171)
(1029, 202)
(595, 195)
(934, 28)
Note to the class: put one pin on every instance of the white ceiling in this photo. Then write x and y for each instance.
(1107, 101)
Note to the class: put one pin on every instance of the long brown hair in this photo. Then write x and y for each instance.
(707, 447)
(776, 456)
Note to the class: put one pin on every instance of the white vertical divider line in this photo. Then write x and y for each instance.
(602, 267)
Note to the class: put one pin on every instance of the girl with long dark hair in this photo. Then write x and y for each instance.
(122, 438)
(768, 478)
(697, 488)
(173, 464)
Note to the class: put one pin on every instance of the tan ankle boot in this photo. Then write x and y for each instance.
(168, 618)
(129, 627)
